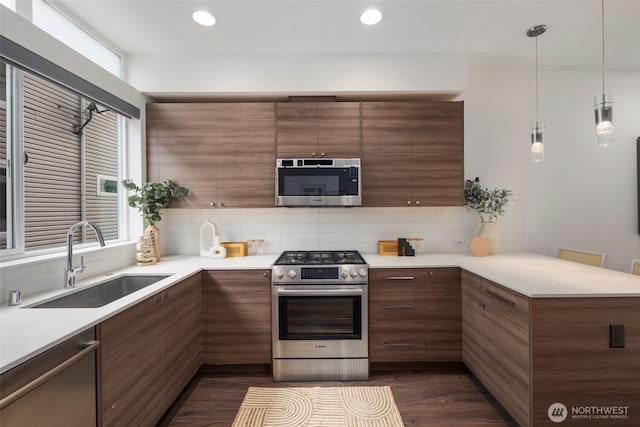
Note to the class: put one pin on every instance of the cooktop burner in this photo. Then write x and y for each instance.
(319, 258)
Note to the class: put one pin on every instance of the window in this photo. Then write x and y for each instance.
(5, 198)
(67, 144)
(11, 4)
(65, 30)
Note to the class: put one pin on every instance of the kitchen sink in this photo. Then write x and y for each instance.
(103, 293)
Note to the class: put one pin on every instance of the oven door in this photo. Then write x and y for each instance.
(319, 321)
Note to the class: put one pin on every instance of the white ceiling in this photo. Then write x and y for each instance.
(492, 32)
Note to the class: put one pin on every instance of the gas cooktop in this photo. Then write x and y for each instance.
(319, 258)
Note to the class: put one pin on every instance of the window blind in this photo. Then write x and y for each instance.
(53, 184)
(52, 171)
(3, 175)
(101, 158)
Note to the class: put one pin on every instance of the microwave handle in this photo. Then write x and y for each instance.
(319, 292)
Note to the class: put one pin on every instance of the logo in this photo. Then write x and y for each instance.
(557, 412)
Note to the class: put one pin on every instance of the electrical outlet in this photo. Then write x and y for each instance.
(616, 336)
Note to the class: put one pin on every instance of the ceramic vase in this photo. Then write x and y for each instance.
(152, 232)
(489, 230)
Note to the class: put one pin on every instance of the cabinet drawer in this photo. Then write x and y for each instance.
(397, 311)
(396, 275)
(397, 345)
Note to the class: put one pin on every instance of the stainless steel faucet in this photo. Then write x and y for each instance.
(70, 279)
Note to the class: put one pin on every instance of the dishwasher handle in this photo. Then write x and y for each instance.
(90, 347)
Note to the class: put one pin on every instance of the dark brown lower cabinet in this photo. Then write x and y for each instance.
(397, 315)
(495, 330)
(149, 353)
(533, 354)
(414, 315)
(237, 317)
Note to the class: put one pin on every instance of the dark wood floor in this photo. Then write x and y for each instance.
(447, 395)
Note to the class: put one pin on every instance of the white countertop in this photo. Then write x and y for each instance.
(26, 332)
(532, 275)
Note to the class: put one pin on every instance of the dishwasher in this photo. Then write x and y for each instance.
(55, 388)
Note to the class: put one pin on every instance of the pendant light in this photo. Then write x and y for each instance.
(603, 109)
(537, 131)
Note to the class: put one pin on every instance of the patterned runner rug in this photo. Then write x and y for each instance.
(318, 407)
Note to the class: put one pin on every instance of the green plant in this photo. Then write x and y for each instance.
(151, 197)
(488, 203)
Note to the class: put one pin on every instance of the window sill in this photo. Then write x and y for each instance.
(59, 253)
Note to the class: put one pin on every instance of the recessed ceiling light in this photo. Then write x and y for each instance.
(204, 18)
(371, 17)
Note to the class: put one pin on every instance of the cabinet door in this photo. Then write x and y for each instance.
(444, 322)
(339, 129)
(495, 338)
(222, 152)
(397, 315)
(505, 349)
(237, 317)
(181, 339)
(244, 158)
(297, 129)
(131, 360)
(181, 147)
(386, 153)
(437, 154)
(472, 323)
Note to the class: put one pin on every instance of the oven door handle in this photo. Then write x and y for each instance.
(320, 292)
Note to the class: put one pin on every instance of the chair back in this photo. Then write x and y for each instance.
(589, 258)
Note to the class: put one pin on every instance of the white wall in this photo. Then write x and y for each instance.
(298, 74)
(581, 196)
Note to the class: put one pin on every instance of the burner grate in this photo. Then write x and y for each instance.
(319, 258)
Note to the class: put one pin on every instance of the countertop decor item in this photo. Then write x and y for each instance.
(235, 249)
(150, 198)
(489, 204)
(479, 246)
(145, 254)
(216, 250)
(388, 247)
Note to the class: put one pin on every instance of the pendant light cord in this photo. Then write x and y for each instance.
(537, 108)
(603, 97)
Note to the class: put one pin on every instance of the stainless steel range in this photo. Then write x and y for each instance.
(319, 316)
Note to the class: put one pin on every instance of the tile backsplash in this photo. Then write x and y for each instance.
(445, 229)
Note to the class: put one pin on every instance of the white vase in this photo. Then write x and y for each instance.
(489, 230)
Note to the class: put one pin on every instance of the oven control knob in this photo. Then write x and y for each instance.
(362, 272)
(344, 273)
(353, 272)
(279, 273)
(292, 274)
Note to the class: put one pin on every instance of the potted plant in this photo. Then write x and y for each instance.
(150, 198)
(489, 204)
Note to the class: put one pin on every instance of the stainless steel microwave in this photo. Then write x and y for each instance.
(318, 182)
